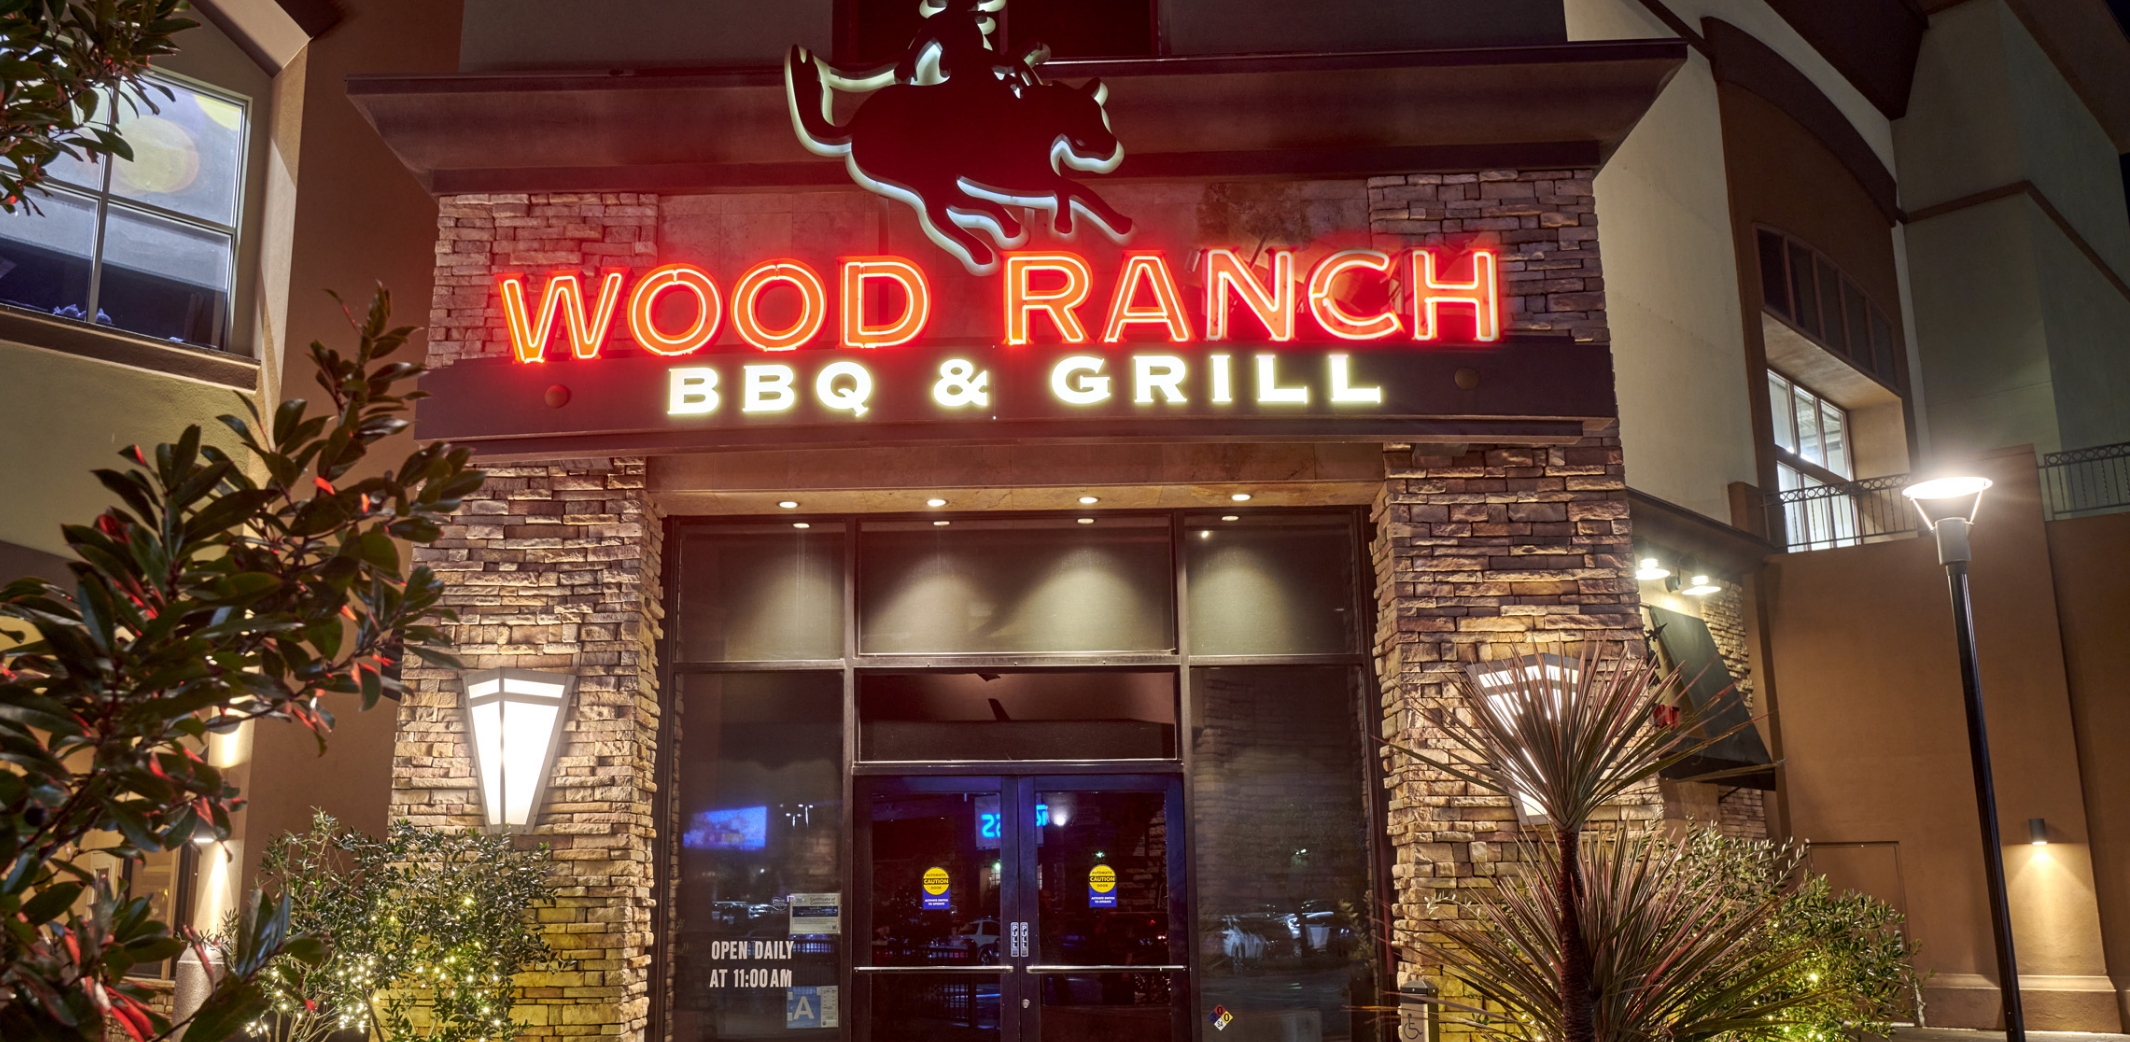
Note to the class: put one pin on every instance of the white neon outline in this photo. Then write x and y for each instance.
(748, 290)
(1482, 295)
(1269, 392)
(709, 309)
(1333, 318)
(1152, 267)
(1095, 392)
(755, 381)
(916, 313)
(1342, 390)
(679, 389)
(1170, 382)
(851, 401)
(1225, 270)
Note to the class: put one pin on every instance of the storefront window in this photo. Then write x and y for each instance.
(1287, 918)
(1017, 716)
(762, 593)
(758, 918)
(1024, 586)
(1271, 584)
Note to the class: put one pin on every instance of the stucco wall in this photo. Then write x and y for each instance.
(2090, 561)
(1868, 692)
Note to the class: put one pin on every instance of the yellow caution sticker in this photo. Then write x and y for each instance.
(1102, 879)
(935, 881)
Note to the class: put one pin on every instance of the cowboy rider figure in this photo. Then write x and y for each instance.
(956, 38)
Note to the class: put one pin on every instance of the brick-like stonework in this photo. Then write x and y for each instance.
(1478, 557)
(1544, 221)
(481, 236)
(554, 565)
(1491, 550)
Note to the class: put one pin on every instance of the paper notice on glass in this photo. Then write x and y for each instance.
(813, 915)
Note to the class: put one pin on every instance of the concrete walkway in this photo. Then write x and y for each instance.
(1971, 1035)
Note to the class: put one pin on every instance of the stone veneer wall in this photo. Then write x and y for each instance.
(1484, 551)
(553, 565)
(1740, 812)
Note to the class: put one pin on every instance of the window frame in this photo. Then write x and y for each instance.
(1792, 457)
(1805, 268)
(102, 198)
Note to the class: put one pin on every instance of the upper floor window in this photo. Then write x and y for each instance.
(1801, 286)
(147, 245)
(1811, 436)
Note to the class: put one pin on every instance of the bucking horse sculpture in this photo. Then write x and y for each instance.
(966, 145)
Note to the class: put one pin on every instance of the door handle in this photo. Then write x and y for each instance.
(1018, 945)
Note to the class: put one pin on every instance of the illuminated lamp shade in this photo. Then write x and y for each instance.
(1941, 499)
(1649, 569)
(2037, 831)
(1700, 585)
(516, 718)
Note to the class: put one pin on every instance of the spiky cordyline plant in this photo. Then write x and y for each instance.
(1676, 954)
(1568, 736)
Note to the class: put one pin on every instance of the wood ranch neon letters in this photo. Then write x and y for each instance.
(1046, 297)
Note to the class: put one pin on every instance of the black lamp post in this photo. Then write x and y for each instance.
(1948, 505)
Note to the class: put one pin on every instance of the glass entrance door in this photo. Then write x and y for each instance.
(1018, 908)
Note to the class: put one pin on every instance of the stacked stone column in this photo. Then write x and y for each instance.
(552, 565)
(1482, 551)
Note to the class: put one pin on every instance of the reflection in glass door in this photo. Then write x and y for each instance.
(1003, 909)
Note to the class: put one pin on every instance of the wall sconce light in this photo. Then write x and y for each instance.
(2037, 831)
(516, 718)
(1691, 580)
(1649, 568)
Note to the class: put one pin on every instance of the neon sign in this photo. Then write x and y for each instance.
(1044, 295)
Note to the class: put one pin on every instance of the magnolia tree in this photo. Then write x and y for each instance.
(223, 588)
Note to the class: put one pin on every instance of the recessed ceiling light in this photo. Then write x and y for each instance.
(935, 502)
(1087, 520)
(1231, 517)
(1240, 497)
(941, 524)
(1088, 501)
(789, 504)
(800, 524)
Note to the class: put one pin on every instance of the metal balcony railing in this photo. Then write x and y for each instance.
(2079, 482)
(1845, 514)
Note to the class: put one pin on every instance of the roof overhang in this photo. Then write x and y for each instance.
(1321, 115)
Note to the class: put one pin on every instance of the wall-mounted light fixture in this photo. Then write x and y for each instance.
(1497, 680)
(1649, 568)
(516, 718)
(1691, 580)
(2037, 831)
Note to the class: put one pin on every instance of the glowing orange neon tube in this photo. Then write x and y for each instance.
(1335, 319)
(1023, 300)
(1274, 305)
(1152, 270)
(686, 278)
(813, 305)
(1431, 295)
(528, 337)
(916, 309)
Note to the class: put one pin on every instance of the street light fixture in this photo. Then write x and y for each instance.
(1948, 506)
(516, 718)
